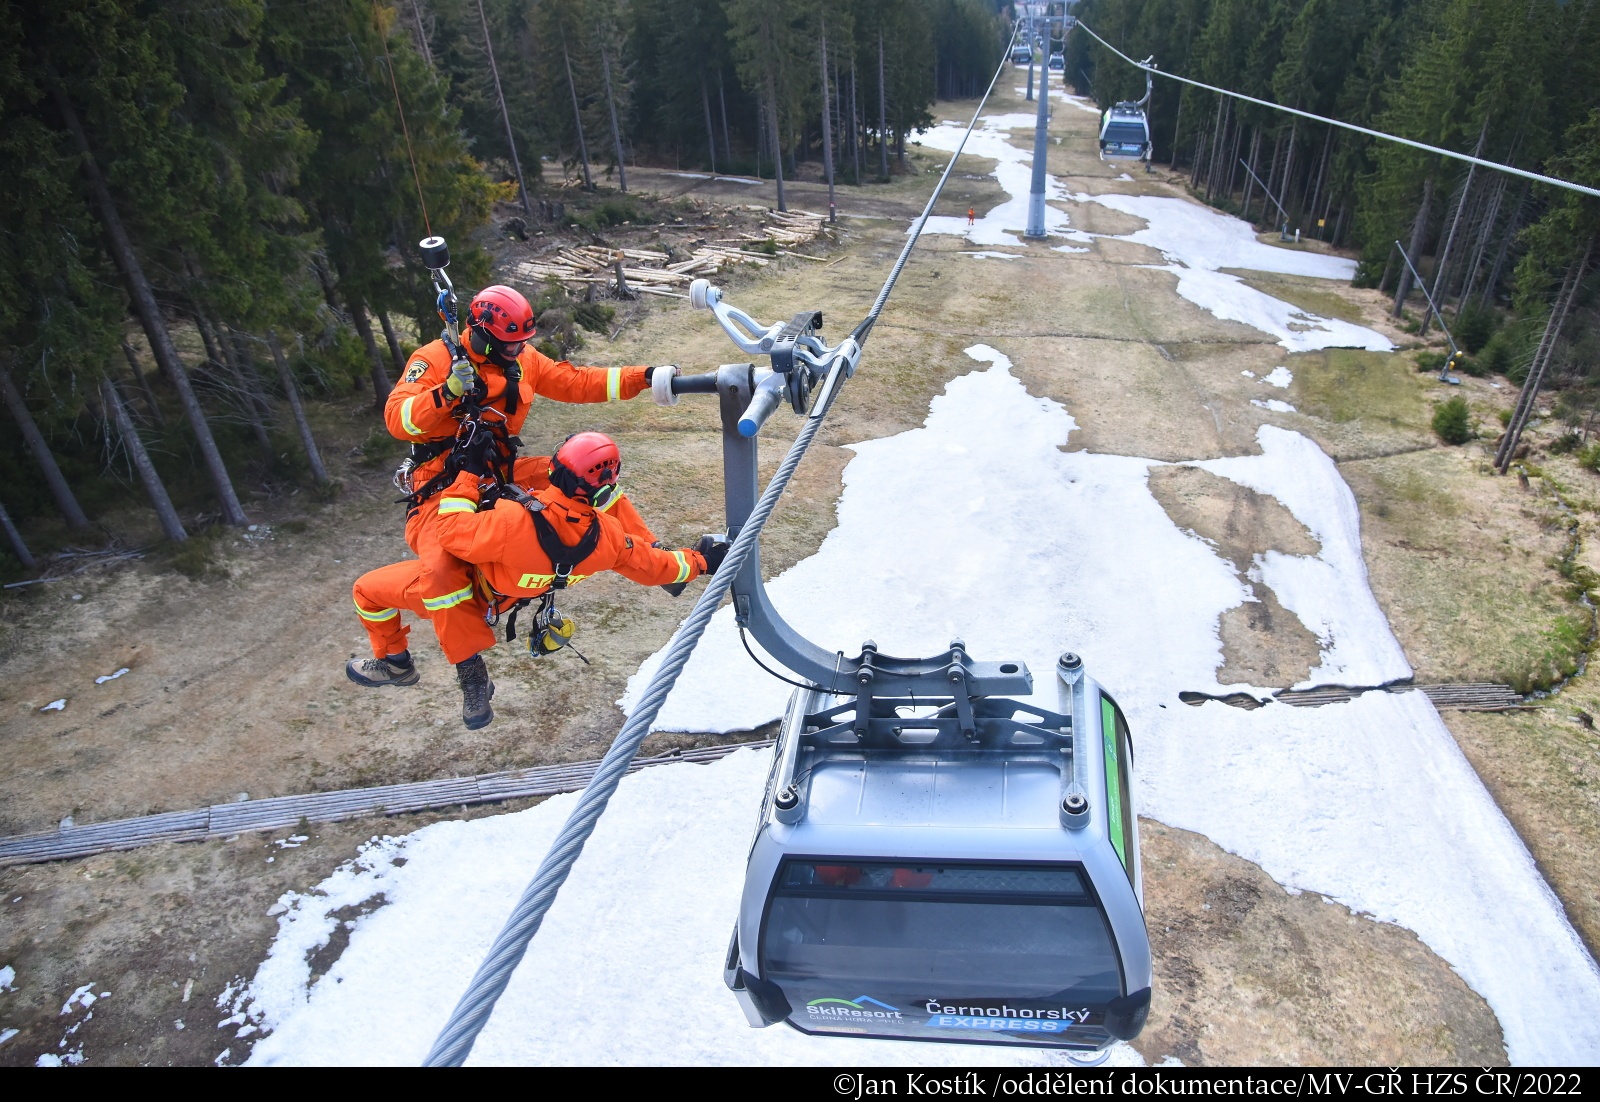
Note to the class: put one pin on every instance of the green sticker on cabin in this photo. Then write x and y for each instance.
(1108, 731)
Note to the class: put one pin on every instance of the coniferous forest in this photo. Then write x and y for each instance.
(1512, 264)
(211, 206)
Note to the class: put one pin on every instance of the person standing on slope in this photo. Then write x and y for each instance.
(494, 380)
(520, 546)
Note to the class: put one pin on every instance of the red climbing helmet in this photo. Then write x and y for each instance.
(501, 313)
(584, 465)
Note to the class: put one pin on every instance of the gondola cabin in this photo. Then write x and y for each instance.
(1124, 134)
(948, 873)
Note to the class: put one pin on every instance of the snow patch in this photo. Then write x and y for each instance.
(1279, 377)
(1273, 404)
(8, 978)
(659, 882)
(1368, 803)
(83, 998)
(1004, 224)
(987, 254)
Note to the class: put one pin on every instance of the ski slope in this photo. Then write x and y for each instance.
(1369, 803)
(1039, 550)
(1195, 241)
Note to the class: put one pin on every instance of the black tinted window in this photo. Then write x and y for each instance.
(954, 931)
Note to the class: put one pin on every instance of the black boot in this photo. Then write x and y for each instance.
(476, 692)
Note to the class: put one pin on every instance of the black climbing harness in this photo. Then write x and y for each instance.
(551, 630)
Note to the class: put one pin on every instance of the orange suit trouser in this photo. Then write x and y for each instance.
(442, 588)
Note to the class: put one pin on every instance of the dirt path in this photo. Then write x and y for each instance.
(236, 685)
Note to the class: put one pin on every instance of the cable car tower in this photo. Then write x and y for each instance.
(934, 859)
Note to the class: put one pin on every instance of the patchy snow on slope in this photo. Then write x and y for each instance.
(1003, 224)
(1082, 103)
(1279, 377)
(1043, 551)
(989, 254)
(627, 969)
(1273, 404)
(1328, 592)
(1195, 240)
(1369, 803)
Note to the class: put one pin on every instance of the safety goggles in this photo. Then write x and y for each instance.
(601, 498)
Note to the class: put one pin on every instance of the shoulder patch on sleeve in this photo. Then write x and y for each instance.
(416, 370)
(629, 541)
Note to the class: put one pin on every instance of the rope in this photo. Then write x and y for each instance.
(1495, 165)
(383, 36)
(456, 1039)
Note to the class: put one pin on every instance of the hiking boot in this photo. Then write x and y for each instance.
(476, 692)
(377, 672)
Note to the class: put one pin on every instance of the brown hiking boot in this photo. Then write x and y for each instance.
(476, 692)
(377, 672)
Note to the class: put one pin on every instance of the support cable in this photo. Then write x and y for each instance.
(455, 1040)
(1469, 159)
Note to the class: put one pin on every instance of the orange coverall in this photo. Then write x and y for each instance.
(501, 544)
(420, 410)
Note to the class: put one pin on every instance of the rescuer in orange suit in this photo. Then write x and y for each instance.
(520, 546)
(499, 373)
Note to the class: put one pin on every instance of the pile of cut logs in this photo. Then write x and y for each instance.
(791, 228)
(650, 271)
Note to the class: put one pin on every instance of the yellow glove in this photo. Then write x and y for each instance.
(462, 376)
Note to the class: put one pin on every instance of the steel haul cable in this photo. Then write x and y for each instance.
(1553, 181)
(456, 1039)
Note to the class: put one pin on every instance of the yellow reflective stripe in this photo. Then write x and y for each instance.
(405, 416)
(683, 567)
(377, 616)
(539, 581)
(449, 600)
(613, 383)
(457, 505)
(606, 508)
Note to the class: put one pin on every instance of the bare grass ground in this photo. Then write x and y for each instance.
(236, 682)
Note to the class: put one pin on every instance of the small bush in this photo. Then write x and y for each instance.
(1474, 326)
(1556, 653)
(1505, 418)
(196, 557)
(1589, 458)
(1431, 361)
(594, 316)
(1452, 421)
(1565, 444)
(608, 212)
(380, 449)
